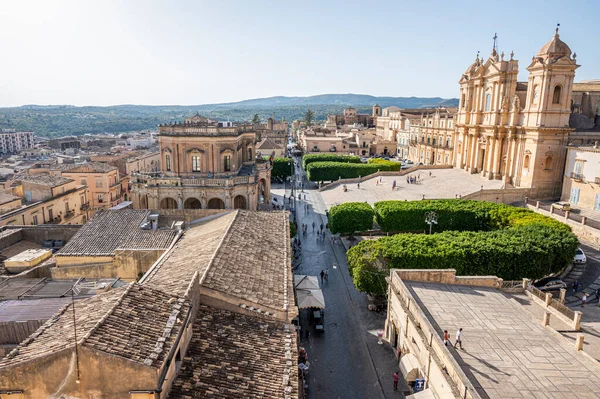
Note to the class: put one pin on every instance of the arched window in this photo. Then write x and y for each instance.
(488, 102)
(556, 95)
(548, 163)
(168, 163)
(526, 163)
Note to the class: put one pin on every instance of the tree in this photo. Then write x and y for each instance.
(256, 119)
(350, 217)
(308, 117)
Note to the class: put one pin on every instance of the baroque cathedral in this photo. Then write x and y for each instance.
(517, 131)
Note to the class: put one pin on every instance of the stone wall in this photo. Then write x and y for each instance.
(504, 196)
(43, 232)
(10, 237)
(446, 276)
(168, 216)
(583, 232)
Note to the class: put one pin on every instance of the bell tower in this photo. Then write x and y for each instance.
(550, 84)
(376, 111)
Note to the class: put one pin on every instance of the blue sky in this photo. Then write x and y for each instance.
(196, 52)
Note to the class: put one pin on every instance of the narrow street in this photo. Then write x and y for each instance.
(345, 360)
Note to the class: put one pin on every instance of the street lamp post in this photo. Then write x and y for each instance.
(431, 218)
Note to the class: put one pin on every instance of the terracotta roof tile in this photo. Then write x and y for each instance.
(133, 322)
(192, 253)
(253, 261)
(237, 356)
(125, 232)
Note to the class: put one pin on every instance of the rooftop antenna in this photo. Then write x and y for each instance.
(75, 328)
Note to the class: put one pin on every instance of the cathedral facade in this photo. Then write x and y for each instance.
(517, 131)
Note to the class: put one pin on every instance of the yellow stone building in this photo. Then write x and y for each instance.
(205, 164)
(517, 131)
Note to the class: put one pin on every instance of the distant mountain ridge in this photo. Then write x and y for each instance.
(345, 99)
(66, 120)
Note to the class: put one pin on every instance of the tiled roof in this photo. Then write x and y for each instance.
(237, 356)
(132, 322)
(88, 167)
(142, 328)
(58, 334)
(109, 230)
(6, 198)
(253, 261)
(46, 179)
(192, 253)
(588, 86)
(268, 144)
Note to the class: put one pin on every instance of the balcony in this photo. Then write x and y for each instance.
(577, 176)
(85, 206)
(597, 180)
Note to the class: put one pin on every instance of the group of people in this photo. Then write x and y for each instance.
(413, 179)
(324, 275)
(458, 340)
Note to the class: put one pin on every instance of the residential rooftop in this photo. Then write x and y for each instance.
(88, 167)
(129, 322)
(7, 198)
(507, 353)
(242, 258)
(232, 355)
(46, 179)
(110, 230)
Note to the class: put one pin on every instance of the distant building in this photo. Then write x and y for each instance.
(350, 117)
(435, 143)
(46, 199)
(205, 165)
(13, 141)
(64, 143)
(581, 181)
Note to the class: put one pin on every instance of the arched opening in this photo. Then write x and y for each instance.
(526, 163)
(261, 191)
(144, 202)
(168, 203)
(463, 101)
(216, 203)
(192, 203)
(556, 95)
(488, 102)
(239, 202)
(548, 163)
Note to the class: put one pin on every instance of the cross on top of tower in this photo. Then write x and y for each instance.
(495, 43)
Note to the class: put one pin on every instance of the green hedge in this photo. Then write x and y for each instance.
(350, 217)
(330, 171)
(508, 242)
(293, 229)
(307, 159)
(281, 167)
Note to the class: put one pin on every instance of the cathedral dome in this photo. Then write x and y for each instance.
(555, 48)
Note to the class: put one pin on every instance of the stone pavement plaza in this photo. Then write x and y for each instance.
(444, 183)
(507, 352)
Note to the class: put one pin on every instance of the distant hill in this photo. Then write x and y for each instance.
(64, 120)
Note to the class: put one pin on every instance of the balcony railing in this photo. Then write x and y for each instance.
(576, 176)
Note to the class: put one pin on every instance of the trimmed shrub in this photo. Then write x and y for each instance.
(293, 229)
(350, 217)
(330, 171)
(281, 167)
(503, 241)
(307, 159)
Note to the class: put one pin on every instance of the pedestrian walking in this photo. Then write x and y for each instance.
(584, 299)
(313, 224)
(446, 338)
(575, 286)
(395, 380)
(322, 275)
(327, 274)
(380, 179)
(321, 226)
(358, 185)
(327, 228)
(393, 185)
(459, 335)
(429, 173)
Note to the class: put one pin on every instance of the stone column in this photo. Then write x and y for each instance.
(497, 154)
(579, 342)
(548, 299)
(472, 150)
(546, 319)
(577, 321)
(563, 294)
(510, 144)
(476, 157)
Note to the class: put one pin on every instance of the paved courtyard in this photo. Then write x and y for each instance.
(507, 352)
(443, 183)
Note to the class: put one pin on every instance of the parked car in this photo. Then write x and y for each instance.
(580, 257)
(552, 284)
(562, 205)
(364, 159)
(47, 243)
(408, 162)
